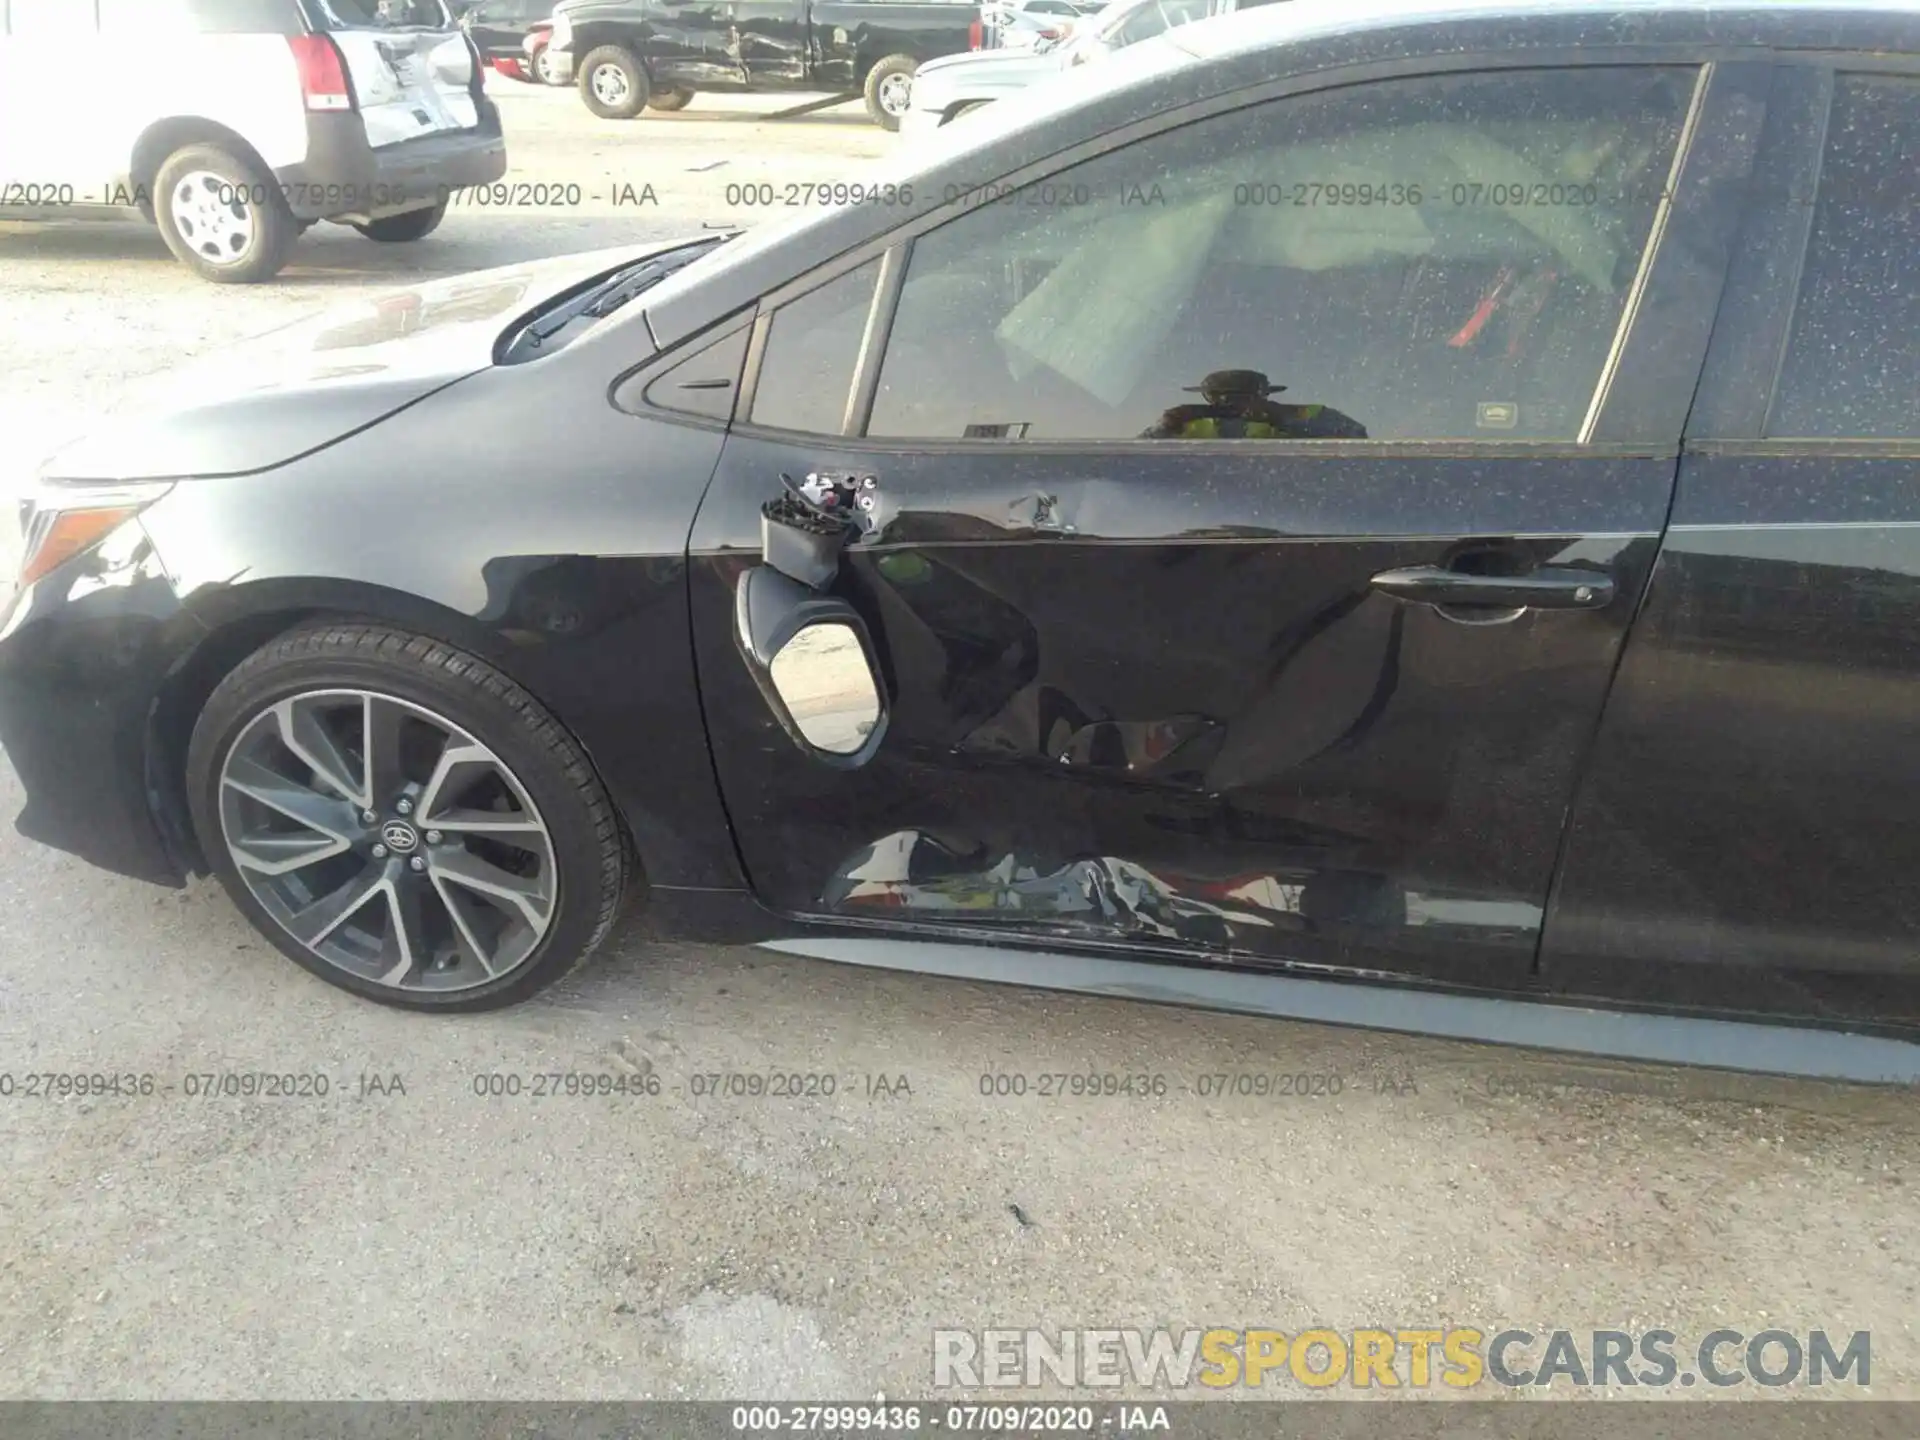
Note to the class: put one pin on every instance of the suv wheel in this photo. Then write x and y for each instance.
(222, 215)
(889, 90)
(400, 229)
(543, 70)
(670, 99)
(403, 820)
(614, 83)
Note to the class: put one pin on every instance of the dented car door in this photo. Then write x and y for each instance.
(1240, 581)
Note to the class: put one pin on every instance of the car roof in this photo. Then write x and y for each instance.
(1433, 26)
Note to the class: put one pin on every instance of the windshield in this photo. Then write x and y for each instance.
(382, 14)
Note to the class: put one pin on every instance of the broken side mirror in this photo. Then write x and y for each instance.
(813, 661)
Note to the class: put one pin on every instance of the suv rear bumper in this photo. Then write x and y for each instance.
(343, 177)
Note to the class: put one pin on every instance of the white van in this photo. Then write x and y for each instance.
(235, 124)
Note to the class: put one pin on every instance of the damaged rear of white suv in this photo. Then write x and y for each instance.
(233, 125)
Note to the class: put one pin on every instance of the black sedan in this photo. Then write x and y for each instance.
(1405, 520)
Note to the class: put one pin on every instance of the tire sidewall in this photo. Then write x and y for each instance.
(887, 66)
(576, 848)
(274, 231)
(639, 89)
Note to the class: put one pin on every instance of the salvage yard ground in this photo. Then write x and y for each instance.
(406, 1235)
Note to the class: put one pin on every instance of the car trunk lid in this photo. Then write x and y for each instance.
(412, 68)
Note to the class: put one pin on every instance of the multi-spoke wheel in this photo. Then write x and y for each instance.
(403, 820)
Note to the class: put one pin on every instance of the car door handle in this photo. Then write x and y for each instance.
(1542, 590)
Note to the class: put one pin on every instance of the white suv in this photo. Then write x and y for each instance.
(235, 124)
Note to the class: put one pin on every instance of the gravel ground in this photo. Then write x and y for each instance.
(435, 1244)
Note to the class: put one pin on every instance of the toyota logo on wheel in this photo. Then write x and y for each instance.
(399, 836)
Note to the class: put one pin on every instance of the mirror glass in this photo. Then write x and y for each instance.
(823, 677)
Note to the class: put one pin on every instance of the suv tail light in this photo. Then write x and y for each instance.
(323, 74)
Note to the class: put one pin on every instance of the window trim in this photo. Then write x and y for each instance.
(1649, 253)
(635, 380)
(1702, 60)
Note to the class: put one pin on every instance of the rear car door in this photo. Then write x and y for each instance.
(1746, 837)
(1175, 659)
(411, 66)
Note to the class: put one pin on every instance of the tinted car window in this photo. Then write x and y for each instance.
(1853, 361)
(807, 369)
(1156, 18)
(1435, 258)
(703, 384)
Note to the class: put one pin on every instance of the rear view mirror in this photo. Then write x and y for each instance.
(824, 680)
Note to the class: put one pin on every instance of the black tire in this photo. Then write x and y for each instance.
(677, 99)
(252, 193)
(638, 90)
(590, 853)
(406, 228)
(542, 67)
(878, 81)
(965, 107)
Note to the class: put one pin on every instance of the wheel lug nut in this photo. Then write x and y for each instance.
(418, 863)
(434, 837)
(368, 816)
(405, 806)
(379, 852)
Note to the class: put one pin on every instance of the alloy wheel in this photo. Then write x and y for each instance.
(387, 840)
(214, 217)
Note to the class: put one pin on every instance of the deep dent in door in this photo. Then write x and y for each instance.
(935, 877)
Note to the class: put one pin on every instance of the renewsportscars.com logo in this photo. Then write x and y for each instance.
(1457, 1357)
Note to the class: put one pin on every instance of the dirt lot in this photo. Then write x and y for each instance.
(434, 1243)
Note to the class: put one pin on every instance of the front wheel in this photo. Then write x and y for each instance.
(614, 83)
(405, 228)
(222, 215)
(403, 820)
(675, 99)
(543, 68)
(889, 90)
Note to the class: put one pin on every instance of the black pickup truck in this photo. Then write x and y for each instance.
(629, 55)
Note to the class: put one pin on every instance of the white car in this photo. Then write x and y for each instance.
(233, 125)
(946, 89)
(1029, 24)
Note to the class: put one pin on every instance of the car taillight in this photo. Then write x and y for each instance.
(1051, 34)
(323, 74)
(976, 35)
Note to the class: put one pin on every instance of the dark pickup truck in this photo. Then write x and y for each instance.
(629, 55)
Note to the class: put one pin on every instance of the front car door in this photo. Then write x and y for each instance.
(1260, 506)
(770, 41)
(1749, 815)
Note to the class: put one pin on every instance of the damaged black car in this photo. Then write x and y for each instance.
(1330, 518)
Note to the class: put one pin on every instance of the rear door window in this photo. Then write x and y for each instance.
(1852, 366)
